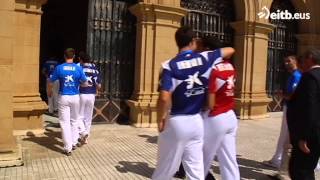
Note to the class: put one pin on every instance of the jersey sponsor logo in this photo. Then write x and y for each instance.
(230, 86)
(193, 79)
(69, 82)
(190, 63)
(195, 91)
(69, 68)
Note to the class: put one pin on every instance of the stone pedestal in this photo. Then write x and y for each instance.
(251, 44)
(156, 26)
(27, 104)
(9, 150)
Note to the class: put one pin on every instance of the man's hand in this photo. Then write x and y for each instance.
(49, 89)
(304, 147)
(161, 124)
(49, 93)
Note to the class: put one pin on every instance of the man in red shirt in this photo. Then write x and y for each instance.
(220, 125)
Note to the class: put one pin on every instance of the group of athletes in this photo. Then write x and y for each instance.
(71, 90)
(196, 120)
(195, 114)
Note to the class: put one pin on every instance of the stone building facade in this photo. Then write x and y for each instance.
(260, 44)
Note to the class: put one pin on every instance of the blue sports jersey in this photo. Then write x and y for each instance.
(187, 76)
(92, 74)
(293, 81)
(70, 76)
(49, 66)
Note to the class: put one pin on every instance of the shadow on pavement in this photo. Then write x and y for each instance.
(249, 169)
(150, 139)
(48, 140)
(140, 168)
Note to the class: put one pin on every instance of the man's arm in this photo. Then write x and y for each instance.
(227, 52)
(211, 100)
(164, 104)
(44, 72)
(49, 88)
(212, 88)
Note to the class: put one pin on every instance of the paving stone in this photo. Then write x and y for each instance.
(119, 152)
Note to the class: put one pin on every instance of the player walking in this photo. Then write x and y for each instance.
(221, 125)
(47, 71)
(183, 84)
(70, 76)
(87, 97)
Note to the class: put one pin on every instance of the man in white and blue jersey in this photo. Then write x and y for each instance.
(47, 70)
(87, 97)
(280, 157)
(70, 76)
(183, 87)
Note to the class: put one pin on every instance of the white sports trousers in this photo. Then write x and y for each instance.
(182, 139)
(68, 117)
(86, 111)
(53, 100)
(220, 139)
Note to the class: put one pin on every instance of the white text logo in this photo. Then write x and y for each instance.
(282, 14)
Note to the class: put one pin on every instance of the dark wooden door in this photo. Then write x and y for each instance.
(111, 44)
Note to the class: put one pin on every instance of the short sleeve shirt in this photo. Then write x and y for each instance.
(221, 84)
(93, 77)
(70, 76)
(186, 76)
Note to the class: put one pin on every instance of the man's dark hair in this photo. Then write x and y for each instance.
(86, 58)
(69, 53)
(211, 42)
(184, 36)
(292, 57)
(313, 54)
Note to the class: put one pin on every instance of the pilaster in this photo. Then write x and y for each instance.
(10, 152)
(156, 25)
(27, 104)
(251, 44)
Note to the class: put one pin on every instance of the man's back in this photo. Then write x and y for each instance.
(304, 106)
(186, 76)
(69, 76)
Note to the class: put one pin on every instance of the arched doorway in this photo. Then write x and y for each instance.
(282, 42)
(210, 18)
(104, 29)
(63, 25)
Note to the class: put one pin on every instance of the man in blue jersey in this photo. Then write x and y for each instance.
(183, 87)
(70, 76)
(87, 96)
(47, 70)
(280, 158)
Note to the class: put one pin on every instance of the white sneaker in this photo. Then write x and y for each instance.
(318, 167)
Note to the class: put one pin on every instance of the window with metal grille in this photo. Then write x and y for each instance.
(282, 42)
(210, 18)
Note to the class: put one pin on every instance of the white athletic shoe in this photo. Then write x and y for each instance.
(317, 169)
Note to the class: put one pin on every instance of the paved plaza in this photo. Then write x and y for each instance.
(124, 152)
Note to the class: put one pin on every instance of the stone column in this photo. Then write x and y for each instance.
(10, 153)
(307, 41)
(27, 104)
(251, 44)
(156, 25)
